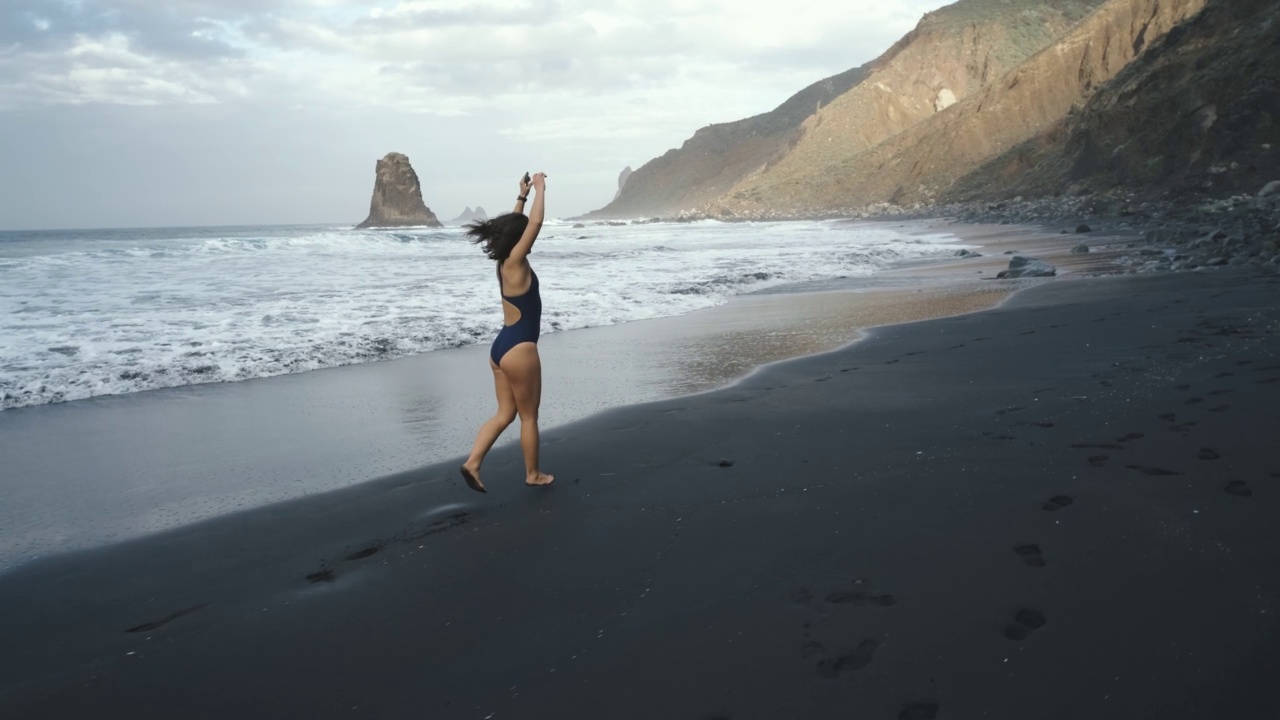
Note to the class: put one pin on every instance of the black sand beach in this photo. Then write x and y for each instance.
(1063, 507)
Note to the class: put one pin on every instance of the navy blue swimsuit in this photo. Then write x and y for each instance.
(526, 328)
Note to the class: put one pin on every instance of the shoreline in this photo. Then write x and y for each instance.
(170, 457)
(165, 458)
(953, 514)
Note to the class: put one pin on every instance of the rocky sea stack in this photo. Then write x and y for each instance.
(397, 196)
(470, 215)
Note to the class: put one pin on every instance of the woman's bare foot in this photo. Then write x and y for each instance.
(539, 479)
(472, 476)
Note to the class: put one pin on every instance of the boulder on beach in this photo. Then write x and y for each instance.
(397, 196)
(1027, 267)
(1268, 197)
(967, 254)
(1082, 228)
(1080, 249)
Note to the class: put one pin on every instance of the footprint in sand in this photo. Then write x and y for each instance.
(1169, 417)
(1239, 488)
(1006, 411)
(1155, 471)
(919, 711)
(1208, 454)
(1219, 408)
(1130, 437)
(1030, 554)
(1099, 460)
(1182, 427)
(1057, 502)
(1025, 622)
(830, 668)
(812, 648)
(858, 599)
(1194, 400)
(364, 553)
(154, 624)
(319, 576)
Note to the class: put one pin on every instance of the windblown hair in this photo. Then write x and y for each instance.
(498, 235)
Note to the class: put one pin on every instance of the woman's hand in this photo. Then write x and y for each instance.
(540, 181)
(525, 184)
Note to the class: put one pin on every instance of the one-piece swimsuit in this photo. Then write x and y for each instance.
(526, 328)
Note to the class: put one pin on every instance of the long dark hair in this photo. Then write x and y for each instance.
(498, 235)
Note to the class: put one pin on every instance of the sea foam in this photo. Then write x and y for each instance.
(106, 312)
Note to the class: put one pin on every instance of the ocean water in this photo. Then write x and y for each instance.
(103, 312)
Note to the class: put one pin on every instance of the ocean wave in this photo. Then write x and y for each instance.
(158, 310)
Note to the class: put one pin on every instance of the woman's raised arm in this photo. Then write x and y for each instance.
(522, 248)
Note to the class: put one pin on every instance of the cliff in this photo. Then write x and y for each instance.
(1196, 115)
(951, 54)
(958, 52)
(397, 196)
(717, 156)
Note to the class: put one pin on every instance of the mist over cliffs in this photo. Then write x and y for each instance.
(995, 98)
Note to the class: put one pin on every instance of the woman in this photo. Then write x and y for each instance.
(517, 370)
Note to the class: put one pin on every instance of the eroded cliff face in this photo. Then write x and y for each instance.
(397, 196)
(952, 53)
(708, 164)
(1197, 114)
(924, 161)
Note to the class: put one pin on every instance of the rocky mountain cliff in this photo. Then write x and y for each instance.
(1198, 114)
(717, 156)
(622, 180)
(952, 53)
(397, 196)
(992, 99)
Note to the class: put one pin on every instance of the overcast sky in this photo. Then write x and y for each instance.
(218, 112)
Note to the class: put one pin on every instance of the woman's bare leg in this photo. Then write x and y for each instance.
(523, 369)
(491, 429)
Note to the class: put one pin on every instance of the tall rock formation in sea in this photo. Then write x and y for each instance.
(397, 196)
(469, 215)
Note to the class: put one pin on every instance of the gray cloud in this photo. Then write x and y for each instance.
(251, 92)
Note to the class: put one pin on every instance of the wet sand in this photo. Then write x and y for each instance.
(152, 461)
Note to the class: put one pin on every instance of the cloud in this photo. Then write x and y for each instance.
(583, 84)
(458, 52)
